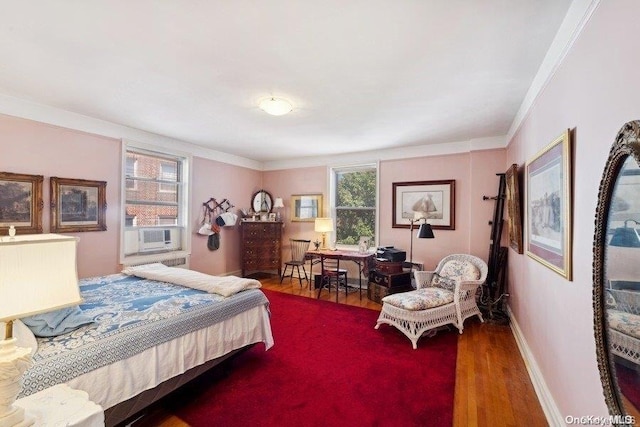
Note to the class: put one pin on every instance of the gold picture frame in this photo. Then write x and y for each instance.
(513, 196)
(306, 207)
(78, 205)
(21, 203)
(549, 206)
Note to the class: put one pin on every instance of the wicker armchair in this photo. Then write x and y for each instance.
(444, 296)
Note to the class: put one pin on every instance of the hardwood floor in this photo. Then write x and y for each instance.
(492, 384)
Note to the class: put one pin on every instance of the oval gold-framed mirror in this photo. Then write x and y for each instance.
(616, 274)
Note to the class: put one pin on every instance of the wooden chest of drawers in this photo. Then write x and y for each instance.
(261, 246)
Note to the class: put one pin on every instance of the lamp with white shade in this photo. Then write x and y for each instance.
(324, 226)
(37, 274)
(278, 204)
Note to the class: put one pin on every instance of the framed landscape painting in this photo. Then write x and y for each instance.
(78, 205)
(433, 200)
(21, 203)
(549, 210)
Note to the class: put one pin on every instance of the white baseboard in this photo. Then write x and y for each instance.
(551, 411)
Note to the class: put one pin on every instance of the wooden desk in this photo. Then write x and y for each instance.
(363, 260)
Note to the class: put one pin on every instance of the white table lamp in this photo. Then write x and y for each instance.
(278, 204)
(37, 274)
(324, 226)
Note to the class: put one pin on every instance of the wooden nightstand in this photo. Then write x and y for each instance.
(61, 405)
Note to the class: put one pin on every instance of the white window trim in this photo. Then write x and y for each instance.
(332, 199)
(185, 197)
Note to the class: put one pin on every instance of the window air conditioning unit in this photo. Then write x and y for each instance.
(156, 239)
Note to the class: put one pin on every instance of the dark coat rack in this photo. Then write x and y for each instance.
(493, 291)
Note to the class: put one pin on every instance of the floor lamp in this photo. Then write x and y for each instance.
(424, 232)
(37, 274)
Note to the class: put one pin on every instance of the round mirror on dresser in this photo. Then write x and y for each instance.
(616, 274)
(261, 201)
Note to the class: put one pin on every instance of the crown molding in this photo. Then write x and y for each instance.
(579, 13)
(16, 107)
(426, 150)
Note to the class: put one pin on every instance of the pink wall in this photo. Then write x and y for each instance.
(594, 92)
(220, 181)
(284, 183)
(475, 176)
(40, 149)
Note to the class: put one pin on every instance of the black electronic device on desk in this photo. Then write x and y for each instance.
(391, 254)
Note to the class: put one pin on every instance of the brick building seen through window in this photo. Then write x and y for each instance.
(152, 190)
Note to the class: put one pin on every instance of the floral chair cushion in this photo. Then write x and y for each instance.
(627, 323)
(420, 299)
(443, 282)
(455, 270)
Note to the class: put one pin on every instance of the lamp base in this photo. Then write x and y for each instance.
(17, 418)
(13, 362)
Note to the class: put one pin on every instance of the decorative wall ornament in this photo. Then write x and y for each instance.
(616, 276)
(306, 207)
(549, 206)
(78, 205)
(21, 203)
(433, 200)
(514, 202)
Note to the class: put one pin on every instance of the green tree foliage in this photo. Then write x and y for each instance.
(355, 206)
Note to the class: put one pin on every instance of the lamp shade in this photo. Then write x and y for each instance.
(275, 106)
(324, 225)
(626, 237)
(425, 232)
(278, 203)
(37, 274)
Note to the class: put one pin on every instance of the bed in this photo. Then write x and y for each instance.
(147, 338)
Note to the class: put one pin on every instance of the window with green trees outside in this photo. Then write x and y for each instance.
(354, 197)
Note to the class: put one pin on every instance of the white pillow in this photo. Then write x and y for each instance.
(133, 269)
(23, 335)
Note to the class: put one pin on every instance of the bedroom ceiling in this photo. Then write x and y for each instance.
(362, 75)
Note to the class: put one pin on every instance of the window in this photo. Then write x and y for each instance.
(131, 171)
(155, 196)
(168, 176)
(354, 195)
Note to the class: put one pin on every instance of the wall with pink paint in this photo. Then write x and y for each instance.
(474, 174)
(284, 183)
(36, 148)
(593, 92)
(39, 149)
(220, 181)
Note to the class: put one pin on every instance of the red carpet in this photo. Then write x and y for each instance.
(328, 367)
(629, 382)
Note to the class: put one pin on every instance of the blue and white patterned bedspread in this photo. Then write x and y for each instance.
(131, 315)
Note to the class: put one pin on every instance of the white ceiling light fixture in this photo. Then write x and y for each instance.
(275, 106)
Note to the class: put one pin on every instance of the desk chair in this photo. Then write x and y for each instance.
(330, 270)
(298, 250)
